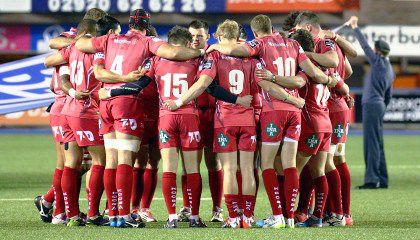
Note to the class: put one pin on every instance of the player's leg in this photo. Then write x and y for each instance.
(139, 166)
(271, 137)
(225, 144)
(215, 175)
(190, 140)
(110, 173)
(169, 187)
(150, 182)
(96, 183)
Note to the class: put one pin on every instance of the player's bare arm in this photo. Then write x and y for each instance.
(84, 44)
(327, 59)
(68, 89)
(54, 60)
(316, 74)
(237, 50)
(348, 68)
(347, 47)
(291, 82)
(60, 42)
(107, 76)
(179, 53)
(279, 93)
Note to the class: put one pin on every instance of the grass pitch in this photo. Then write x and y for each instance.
(27, 162)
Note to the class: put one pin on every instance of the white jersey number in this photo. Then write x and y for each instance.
(323, 95)
(285, 68)
(175, 82)
(236, 81)
(77, 72)
(116, 66)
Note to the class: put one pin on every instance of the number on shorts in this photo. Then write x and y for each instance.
(286, 67)
(236, 81)
(174, 82)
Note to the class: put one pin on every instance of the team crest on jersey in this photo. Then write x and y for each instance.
(272, 130)
(338, 131)
(253, 43)
(206, 64)
(312, 141)
(147, 64)
(163, 137)
(222, 140)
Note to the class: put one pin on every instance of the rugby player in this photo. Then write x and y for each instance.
(280, 120)
(80, 127)
(122, 127)
(44, 203)
(206, 106)
(329, 54)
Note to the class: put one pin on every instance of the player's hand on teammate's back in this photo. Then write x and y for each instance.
(171, 105)
(244, 101)
(332, 81)
(104, 93)
(264, 74)
(350, 101)
(212, 47)
(81, 95)
(352, 22)
(133, 76)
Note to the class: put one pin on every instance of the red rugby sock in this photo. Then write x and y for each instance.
(111, 191)
(241, 202)
(137, 187)
(69, 188)
(280, 179)
(249, 202)
(291, 190)
(306, 185)
(169, 190)
(58, 192)
(216, 187)
(123, 183)
(231, 201)
(184, 191)
(194, 189)
(272, 188)
(345, 178)
(150, 183)
(96, 188)
(334, 192)
(321, 193)
(49, 196)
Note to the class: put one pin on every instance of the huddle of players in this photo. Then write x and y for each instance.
(258, 88)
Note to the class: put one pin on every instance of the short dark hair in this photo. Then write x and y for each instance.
(95, 14)
(290, 22)
(307, 17)
(261, 24)
(197, 24)
(105, 24)
(179, 35)
(304, 38)
(86, 26)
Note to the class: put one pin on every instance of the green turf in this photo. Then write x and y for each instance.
(26, 164)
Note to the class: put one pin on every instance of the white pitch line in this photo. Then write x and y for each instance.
(82, 199)
(391, 167)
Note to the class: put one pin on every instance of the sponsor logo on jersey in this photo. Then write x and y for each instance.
(338, 131)
(312, 141)
(272, 130)
(98, 55)
(163, 137)
(222, 140)
(329, 43)
(206, 64)
(253, 43)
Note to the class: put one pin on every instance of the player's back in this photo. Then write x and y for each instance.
(124, 53)
(174, 78)
(281, 56)
(82, 78)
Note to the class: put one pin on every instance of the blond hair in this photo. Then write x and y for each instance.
(229, 29)
(261, 24)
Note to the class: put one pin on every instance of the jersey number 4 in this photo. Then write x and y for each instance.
(175, 82)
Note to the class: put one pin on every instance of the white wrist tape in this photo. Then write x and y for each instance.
(72, 93)
(178, 102)
(202, 52)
